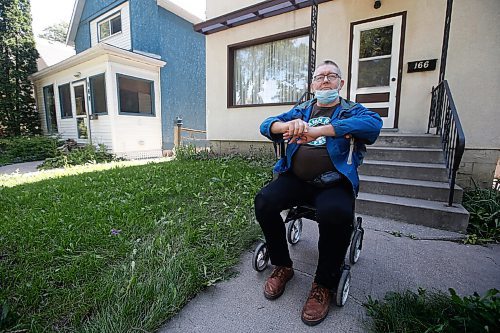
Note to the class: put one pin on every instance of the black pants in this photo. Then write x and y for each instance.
(334, 214)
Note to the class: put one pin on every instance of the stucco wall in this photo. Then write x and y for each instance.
(91, 10)
(473, 72)
(183, 77)
(424, 30)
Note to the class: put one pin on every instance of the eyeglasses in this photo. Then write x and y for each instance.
(329, 77)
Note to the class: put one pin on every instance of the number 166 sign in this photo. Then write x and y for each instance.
(422, 65)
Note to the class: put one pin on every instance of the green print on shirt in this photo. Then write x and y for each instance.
(320, 141)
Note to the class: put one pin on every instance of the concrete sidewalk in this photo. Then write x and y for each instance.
(419, 257)
(21, 168)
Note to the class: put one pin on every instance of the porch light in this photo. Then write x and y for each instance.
(77, 74)
(377, 4)
(178, 121)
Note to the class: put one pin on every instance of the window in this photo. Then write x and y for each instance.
(271, 72)
(135, 95)
(110, 26)
(65, 101)
(50, 109)
(98, 94)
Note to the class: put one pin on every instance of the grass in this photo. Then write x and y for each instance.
(484, 208)
(424, 311)
(123, 249)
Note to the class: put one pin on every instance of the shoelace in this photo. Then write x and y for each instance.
(318, 294)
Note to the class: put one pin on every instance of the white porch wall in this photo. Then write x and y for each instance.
(133, 134)
(423, 39)
(122, 39)
(122, 134)
(100, 128)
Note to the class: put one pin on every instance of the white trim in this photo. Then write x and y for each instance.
(179, 11)
(75, 22)
(99, 49)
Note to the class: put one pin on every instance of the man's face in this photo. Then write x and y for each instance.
(326, 77)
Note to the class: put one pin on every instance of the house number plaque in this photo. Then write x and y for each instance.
(422, 65)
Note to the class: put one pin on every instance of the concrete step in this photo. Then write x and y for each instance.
(405, 170)
(402, 154)
(434, 214)
(409, 188)
(387, 139)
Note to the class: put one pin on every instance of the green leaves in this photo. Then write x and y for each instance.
(431, 312)
(484, 222)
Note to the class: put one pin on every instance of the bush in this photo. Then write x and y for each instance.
(78, 156)
(484, 208)
(435, 312)
(26, 149)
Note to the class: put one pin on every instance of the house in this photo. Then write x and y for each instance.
(138, 66)
(392, 53)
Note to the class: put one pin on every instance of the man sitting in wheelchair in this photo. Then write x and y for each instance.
(326, 141)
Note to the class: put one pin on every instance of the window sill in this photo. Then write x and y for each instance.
(136, 114)
(259, 105)
(99, 40)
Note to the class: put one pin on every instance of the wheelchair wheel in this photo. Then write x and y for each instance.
(356, 246)
(294, 231)
(343, 287)
(260, 257)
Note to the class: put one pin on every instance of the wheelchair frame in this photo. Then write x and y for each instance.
(293, 217)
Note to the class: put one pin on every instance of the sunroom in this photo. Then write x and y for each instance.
(104, 95)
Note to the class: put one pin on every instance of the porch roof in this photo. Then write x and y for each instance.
(252, 13)
(89, 54)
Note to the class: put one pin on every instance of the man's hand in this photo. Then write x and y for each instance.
(291, 130)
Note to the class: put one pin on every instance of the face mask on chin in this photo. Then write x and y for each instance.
(326, 96)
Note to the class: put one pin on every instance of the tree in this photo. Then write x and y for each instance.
(56, 32)
(18, 56)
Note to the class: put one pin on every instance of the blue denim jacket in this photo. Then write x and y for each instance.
(347, 118)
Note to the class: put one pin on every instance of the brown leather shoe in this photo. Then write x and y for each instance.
(276, 282)
(317, 305)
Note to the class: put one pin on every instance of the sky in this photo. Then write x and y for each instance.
(48, 12)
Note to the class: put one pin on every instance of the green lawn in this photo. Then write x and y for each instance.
(121, 250)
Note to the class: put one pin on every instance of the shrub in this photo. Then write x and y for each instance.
(484, 208)
(435, 312)
(78, 156)
(26, 149)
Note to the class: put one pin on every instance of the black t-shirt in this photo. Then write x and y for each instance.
(312, 159)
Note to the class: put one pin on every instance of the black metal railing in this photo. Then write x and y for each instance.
(443, 117)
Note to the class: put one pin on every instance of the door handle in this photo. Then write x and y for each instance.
(393, 79)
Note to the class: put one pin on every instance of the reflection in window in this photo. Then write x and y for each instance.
(80, 100)
(65, 101)
(136, 95)
(374, 73)
(110, 26)
(81, 128)
(274, 72)
(50, 109)
(98, 94)
(375, 42)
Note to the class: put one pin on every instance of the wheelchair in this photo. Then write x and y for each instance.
(294, 218)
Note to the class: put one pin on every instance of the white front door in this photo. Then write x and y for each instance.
(375, 66)
(80, 111)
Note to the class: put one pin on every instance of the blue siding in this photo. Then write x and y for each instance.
(183, 77)
(156, 30)
(91, 10)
